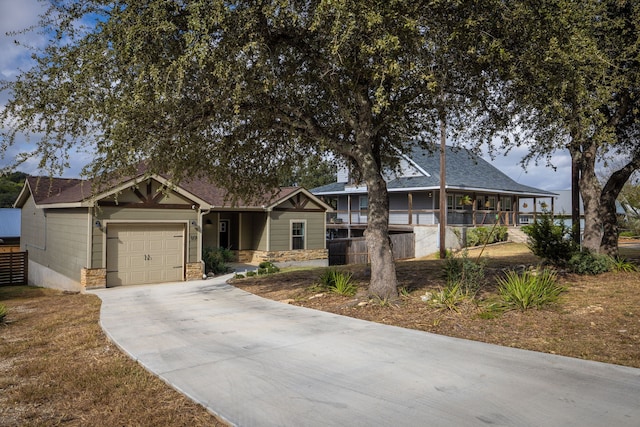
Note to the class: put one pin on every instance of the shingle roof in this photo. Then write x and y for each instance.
(49, 191)
(464, 170)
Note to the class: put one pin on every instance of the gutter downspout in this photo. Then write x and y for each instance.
(201, 233)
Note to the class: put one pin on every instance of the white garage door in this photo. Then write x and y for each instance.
(144, 253)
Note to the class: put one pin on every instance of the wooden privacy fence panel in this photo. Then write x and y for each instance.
(14, 268)
(354, 251)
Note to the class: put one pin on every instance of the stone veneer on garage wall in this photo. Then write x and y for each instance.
(96, 278)
(195, 270)
(256, 257)
(93, 278)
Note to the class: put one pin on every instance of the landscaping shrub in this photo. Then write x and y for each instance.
(550, 241)
(336, 281)
(267, 267)
(342, 284)
(622, 265)
(216, 259)
(3, 312)
(465, 271)
(450, 297)
(529, 289)
(477, 236)
(585, 262)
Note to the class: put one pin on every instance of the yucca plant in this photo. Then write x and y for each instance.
(450, 297)
(326, 279)
(529, 289)
(3, 312)
(622, 265)
(342, 284)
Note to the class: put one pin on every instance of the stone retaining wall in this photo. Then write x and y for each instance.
(256, 257)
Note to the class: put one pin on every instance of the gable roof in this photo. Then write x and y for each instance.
(64, 192)
(464, 171)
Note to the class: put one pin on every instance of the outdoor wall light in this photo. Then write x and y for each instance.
(98, 224)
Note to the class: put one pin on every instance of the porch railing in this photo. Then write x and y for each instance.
(431, 217)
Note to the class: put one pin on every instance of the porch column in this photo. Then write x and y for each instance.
(535, 209)
(349, 216)
(498, 208)
(240, 230)
(474, 207)
(410, 203)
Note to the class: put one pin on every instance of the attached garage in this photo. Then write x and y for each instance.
(144, 229)
(143, 253)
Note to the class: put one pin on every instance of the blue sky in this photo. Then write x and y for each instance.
(19, 14)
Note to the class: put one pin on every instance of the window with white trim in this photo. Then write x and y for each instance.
(364, 203)
(298, 235)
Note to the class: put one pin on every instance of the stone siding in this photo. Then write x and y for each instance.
(195, 271)
(93, 278)
(256, 257)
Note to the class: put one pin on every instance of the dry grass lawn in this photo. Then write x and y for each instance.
(58, 368)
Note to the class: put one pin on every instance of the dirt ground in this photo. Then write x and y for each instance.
(597, 318)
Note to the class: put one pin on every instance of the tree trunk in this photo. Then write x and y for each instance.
(384, 283)
(608, 197)
(590, 191)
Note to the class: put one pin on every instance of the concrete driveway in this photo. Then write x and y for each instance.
(256, 362)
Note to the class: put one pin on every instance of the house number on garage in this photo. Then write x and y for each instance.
(147, 257)
(193, 237)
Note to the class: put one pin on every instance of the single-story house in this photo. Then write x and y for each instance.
(9, 229)
(145, 229)
(477, 194)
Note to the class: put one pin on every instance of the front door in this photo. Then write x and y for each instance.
(223, 227)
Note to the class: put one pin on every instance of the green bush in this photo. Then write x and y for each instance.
(450, 297)
(465, 271)
(585, 262)
(238, 276)
(529, 289)
(336, 281)
(251, 273)
(342, 284)
(622, 265)
(550, 241)
(3, 312)
(267, 267)
(477, 236)
(216, 259)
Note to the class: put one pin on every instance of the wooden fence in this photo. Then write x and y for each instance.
(354, 251)
(14, 268)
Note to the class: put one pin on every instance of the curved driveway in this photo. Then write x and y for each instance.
(256, 362)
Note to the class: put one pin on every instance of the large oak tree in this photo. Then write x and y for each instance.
(573, 67)
(243, 91)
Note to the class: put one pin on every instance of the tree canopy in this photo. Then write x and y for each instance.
(572, 67)
(10, 187)
(242, 92)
